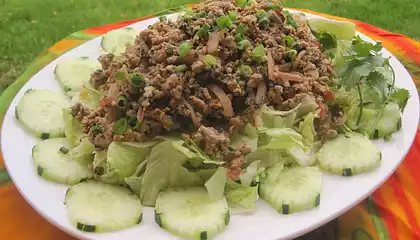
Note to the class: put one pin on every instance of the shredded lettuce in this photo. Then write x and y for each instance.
(249, 175)
(307, 129)
(164, 159)
(266, 158)
(280, 139)
(181, 177)
(125, 159)
(216, 184)
(83, 152)
(240, 198)
(249, 137)
(88, 97)
(135, 183)
(72, 129)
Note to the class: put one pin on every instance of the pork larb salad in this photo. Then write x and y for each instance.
(204, 112)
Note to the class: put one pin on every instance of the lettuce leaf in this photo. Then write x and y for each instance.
(72, 129)
(248, 136)
(125, 159)
(280, 139)
(307, 129)
(216, 184)
(250, 174)
(84, 152)
(88, 97)
(164, 159)
(135, 183)
(240, 198)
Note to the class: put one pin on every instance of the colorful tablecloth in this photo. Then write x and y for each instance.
(391, 212)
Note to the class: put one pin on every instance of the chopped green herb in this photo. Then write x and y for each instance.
(189, 13)
(137, 80)
(184, 49)
(288, 41)
(122, 102)
(163, 19)
(327, 40)
(290, 20)
(169, 50)
(244, 44)
(210, 60)
(241, 29)
(400, 96)
(262, 18)
(64, 150)
(201, 14)
(133, 122)
(96, 129)
(245, 71)
(290, 54)
(258, 53)
(120, 127)
(241, 3)
(239, 37)
(181, 68)
(224, 22)
(204, 30)
(232, 15)
(67, 89)
(120, 76)
(273, 6)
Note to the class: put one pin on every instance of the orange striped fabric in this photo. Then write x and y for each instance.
(392, 212)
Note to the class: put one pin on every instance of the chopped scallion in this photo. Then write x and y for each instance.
(184, 49)
(210, 60)
(244, 44)
(241, 3)
(232, 15)
(169, 50)
(181, 68)
(122, 102)
(241, 29)
(201, 14)
(290, 54)
(204, 30)
(288, 41)
(137, 80)
(245, 71)
(64, 150)
(224, 22)
(120, 127)
(133, 122)
(258, 53)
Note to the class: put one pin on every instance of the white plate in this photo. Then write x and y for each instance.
(338, 193)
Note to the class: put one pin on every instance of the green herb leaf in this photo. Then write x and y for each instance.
(290, 20)
(242, 28)
(400, 96)
(181, 68)
(245, 71)
(184, 49)
(364, 49)
(204, 30)
(137, 80)
(224, 22)
(327, 40)
(288, 41)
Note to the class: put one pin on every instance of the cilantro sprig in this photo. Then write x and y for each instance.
(365, 67)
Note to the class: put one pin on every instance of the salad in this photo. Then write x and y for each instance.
(201, 115)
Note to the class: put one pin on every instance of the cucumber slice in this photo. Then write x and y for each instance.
(116, 41)
(98, 207)
(40, 112)
(53, 164)
(190, 214)
(349, 154)
(292, 189)
(73, 73)
(389, 122)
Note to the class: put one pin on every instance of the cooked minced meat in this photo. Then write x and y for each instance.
(205, 74)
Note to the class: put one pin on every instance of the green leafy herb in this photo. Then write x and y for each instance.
(204, 30)
(242, 28)
(400, 96)
(224, 22)
(184, 49)
(244, 44)
(258, 53)
(189, 13)
(201, 14)
(288, 41)
(120, 126)
(290, 20)
(120, 76)
(169, 50)
(232, 15)
(327, 40)
(290, 55)
(273, 5)
(210, 60)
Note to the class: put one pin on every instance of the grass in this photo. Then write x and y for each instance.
(28, 27)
